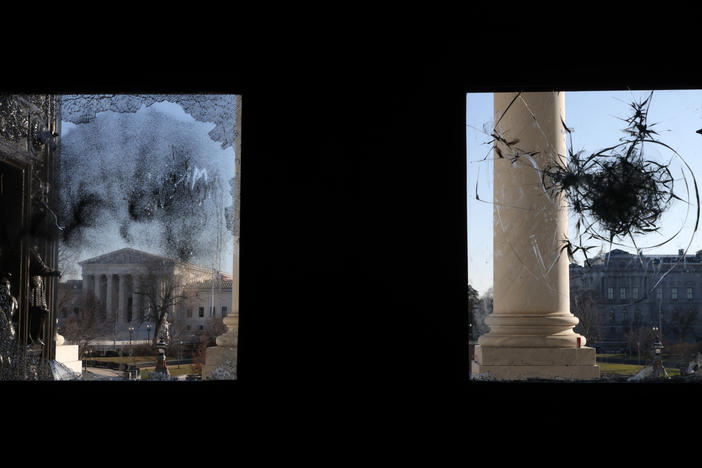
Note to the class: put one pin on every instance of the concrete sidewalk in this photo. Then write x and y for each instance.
(99, 373)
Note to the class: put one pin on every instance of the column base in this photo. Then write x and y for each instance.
(220, 363)
(494, 363)
(68, 356)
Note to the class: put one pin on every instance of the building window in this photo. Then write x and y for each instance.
(76, 310)
(201, 312)
(610, 293)
(622, 293)
(634, 293)
(612, 316)
(224, 311)
(201, 327)
(187, 327)
(189, 313)
(659, 294)
(674, 294)
(689, 293)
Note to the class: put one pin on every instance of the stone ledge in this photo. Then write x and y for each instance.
(66, 353)
(487, 372)
(218, 355)
(500, 356)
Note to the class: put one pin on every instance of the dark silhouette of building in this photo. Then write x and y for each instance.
(620, 292)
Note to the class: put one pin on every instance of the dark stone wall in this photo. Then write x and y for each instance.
(353, 213)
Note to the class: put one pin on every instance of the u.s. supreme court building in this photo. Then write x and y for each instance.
(120, 286)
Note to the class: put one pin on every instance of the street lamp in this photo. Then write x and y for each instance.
(131, 353)
(659, 370)
(148, 332)
(180, 349)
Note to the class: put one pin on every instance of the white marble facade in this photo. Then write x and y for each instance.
(115, 280)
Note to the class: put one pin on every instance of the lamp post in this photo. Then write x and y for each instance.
(658, 369)
(148, 332)
(131, 353)
(161, 369)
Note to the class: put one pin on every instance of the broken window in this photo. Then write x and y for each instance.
(627, 176)
(149, 195)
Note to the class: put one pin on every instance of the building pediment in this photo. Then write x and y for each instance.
(127, 256)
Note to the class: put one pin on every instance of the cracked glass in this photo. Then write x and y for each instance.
(606, 188)
(120, 216)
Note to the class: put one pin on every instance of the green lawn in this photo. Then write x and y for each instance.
(123, 359)
(185, 369)
(620, 369)
(630, 369)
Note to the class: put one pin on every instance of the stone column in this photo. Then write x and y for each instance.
(98, 297)
(108, 299)
(122, 299)
(531, 327)
(138, 298)
(221, 360)
(88, 286)
(87, 282)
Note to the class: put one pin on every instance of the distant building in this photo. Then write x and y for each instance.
(203, 301)
(632, 291)
(119, 288)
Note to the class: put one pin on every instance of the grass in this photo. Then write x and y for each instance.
(619, 369)
(122, 359)
(185, 369)
(629, 369)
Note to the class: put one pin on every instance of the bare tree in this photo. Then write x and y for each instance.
(64, 299)
(81, 329)
(200, 355)
(213, 328)
(640, 340)
(111, 326)
(584, 307)
(67, 260)
(161, 294)
(681, 322)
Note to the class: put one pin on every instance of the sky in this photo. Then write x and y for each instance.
(594, 120)
(114, 148)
